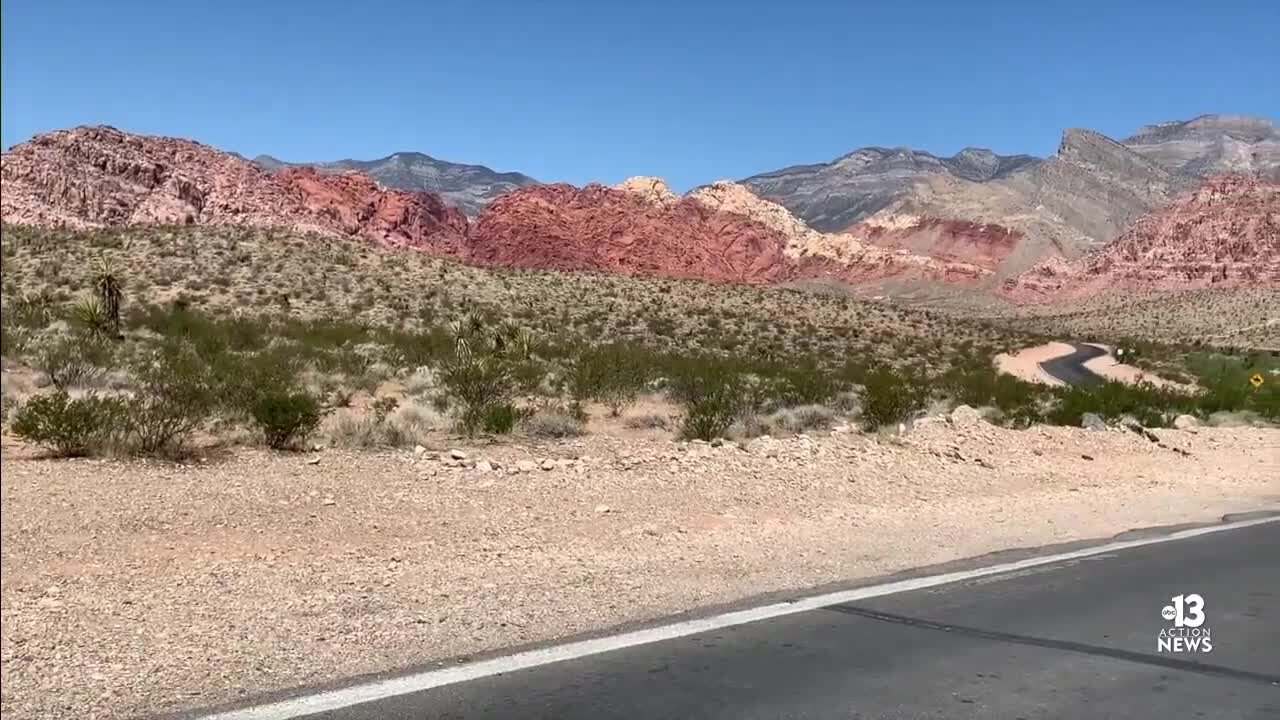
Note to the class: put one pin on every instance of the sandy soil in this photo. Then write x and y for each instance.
(1108, 367)
(1025, 364)
(130, 588)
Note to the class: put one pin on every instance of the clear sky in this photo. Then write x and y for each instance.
(581, 90)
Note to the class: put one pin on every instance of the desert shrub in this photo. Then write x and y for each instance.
(348, 430)
(241, 380)
(552, 423)
(496, 418)
(175, 395)
(383, 407)
(807, 384)
(712, 393)
(72, 360)
(648, 421)
(890, 396)
(751, 425)
(480, 377)
(613, 374)
(1266, 400)
(1149, 405)
(803, 418)
(32, 311)
(68, 426)
(286, 416)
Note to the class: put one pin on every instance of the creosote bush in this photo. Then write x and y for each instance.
(712, 393)
(890, 397)
(286, 417)
(69, 426)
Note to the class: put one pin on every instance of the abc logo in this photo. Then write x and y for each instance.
(1169, 612)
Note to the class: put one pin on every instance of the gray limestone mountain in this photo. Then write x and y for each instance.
(832, 196)
(1074, 202)
(468, 187)
(1212, 144)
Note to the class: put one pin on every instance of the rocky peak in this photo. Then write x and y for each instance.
(1225, 232)
(654, 190)
(1212, 144)
(102, 176)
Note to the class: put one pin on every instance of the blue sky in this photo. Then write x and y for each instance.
(599, 90)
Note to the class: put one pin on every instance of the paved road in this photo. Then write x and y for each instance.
(1075, 639)
(1070, 369)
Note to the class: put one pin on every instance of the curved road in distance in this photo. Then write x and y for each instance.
(1070, 369)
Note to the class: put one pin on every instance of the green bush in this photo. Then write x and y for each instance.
(807, 384)
(890, 397)
(286, 417)
(1149, 405)
(496, 418)
(1266, 400)
(242, 379)
(69, 427)
(613, 374)
(480, 377)
(712, 393)
(175, 396)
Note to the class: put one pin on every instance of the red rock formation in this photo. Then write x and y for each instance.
(101, 176)
(560, 227)
(356, 206)
(1225, 233)
(984, 245)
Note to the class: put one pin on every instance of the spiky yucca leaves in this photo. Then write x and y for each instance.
(110, 294)
(482, 374)
(90, 315)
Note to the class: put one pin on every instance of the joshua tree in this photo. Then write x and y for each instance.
(110, 292)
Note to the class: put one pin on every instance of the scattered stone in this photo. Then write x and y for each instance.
(419, 450)
(602, 509)
(1086, 457)
(513, 470)
(428, 473)
(484, 466)
(526, 466)
(1092, 421)
(1138, 429)
(457, 455)
(964, 416)
(1186, 422)
(314, 461)
(548, 464)
(328, 501)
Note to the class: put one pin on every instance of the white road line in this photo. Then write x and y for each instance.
(381, 689)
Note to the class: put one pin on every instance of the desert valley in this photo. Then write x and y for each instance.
(377, 400)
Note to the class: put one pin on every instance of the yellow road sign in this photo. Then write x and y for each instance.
(1256, 380)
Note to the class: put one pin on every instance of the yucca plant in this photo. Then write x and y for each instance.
(110, 293)
(481, 375)
(90, 314)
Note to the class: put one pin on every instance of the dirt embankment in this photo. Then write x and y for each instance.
(131, 588)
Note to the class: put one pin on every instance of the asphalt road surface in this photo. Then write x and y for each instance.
(1070, 369)
(1072, 639)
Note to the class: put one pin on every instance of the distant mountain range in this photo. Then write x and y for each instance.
(1194, 203)
(467, 187)
(1069, 204)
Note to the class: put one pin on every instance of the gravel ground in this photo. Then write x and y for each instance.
(132, 588)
